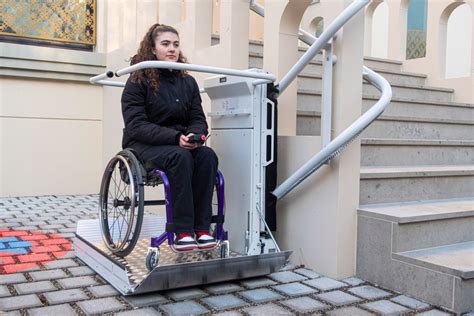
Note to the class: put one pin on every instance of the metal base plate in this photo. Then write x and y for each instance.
(129, 275)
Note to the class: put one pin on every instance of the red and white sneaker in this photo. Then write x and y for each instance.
(185, 242)
(205, 240)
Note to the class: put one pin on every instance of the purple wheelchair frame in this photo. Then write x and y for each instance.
(221, 235)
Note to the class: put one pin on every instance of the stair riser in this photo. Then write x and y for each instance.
(412, 93)
(429, 234)
(403, 79)
(418, 130)
(310, 125)
(257, 62)
(424, 110)
(311, 102)
(415, 189)
(382, 65)
(309, 83)
(403, 155)
(375, 264)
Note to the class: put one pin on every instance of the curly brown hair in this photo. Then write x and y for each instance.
(145, 53)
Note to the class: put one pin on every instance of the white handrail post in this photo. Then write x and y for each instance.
(326, 104)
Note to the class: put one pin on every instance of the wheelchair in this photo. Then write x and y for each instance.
(122, 203)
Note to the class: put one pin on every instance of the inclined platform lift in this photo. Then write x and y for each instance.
(133, 250)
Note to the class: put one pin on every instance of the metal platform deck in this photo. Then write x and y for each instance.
(175, 270)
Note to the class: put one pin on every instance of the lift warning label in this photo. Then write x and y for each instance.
(22, 250)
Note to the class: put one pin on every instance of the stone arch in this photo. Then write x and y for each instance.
(443, 43)
(316, 26)
(380, 31)
(369, 14)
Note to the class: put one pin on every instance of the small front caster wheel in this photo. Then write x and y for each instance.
(225, 251)
(152, 258)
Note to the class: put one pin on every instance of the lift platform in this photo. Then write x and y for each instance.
(130, 276)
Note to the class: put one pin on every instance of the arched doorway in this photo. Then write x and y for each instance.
(459, 42)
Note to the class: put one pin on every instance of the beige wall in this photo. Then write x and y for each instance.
(51, 121)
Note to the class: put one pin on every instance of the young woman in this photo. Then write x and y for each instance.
(161, 109)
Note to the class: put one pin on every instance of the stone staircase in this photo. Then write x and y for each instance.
(416, 215)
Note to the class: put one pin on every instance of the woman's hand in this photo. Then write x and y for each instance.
(183, 142)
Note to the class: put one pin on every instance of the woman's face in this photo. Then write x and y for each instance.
(166, 46)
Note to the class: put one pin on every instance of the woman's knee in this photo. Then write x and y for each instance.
(181, 157)
(206, 154)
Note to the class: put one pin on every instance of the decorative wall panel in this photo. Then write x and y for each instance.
(67, 21)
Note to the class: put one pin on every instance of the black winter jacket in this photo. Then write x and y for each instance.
(159, 118)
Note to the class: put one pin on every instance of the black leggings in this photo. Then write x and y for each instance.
(192, 175)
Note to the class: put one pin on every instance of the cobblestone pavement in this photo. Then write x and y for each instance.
(52, 281)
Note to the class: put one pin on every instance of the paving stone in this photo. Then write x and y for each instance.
(410, 302)
(4, 291)
(385, 307)
(287, 277)
(13, 313)
(81, 271)
(48, 275)
(369, 292)
(63, 310)
(103, 290)
(186, 294)
(146, 300)
(308, 273)
(288, 266)
(60, 264)
(222, 288)
(77, 282)
(294, 289)
(352, 311)
(434, 312)
(101, 305)
(184, 308)
(65, 296)
(12, 278)
(304, 304)
(338, 298)
(35, 287)
(149, 311)
(224, 302)
(267, 309)
(19, 301)
(353, 281)
(325, 284)
(261, 295)
(228, 313)
(257, 282)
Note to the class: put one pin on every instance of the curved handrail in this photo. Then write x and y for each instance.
(335, 147)
(338, 144)
(261, 78)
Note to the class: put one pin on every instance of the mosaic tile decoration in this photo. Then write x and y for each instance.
(70, 21)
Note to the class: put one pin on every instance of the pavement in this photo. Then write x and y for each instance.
(40, 275)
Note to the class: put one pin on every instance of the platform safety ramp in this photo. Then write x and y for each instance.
(175, 270)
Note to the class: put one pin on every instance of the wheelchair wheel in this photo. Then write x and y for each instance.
(121, 203)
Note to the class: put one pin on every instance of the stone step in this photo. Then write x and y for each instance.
(396, 127)
(394, 77)
(415, 183)
(380, 262)
(427, 224)
(456, 259)
(405, 152)
(309, 100)
(402, 91)
(256, 47)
